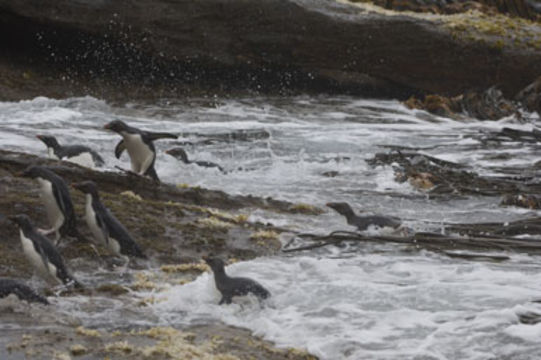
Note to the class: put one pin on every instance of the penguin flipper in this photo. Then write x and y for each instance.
(156, 135)
(119, 148)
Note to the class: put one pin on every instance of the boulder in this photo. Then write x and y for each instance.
(133, 49)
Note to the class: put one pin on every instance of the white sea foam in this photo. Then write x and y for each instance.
(360, 301)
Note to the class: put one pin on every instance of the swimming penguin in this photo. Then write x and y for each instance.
(363, 222)
(78, 154)
(42, 254)
(179, 154)
(23, 292)
(233, 286)
(106, 229)
(139, 145)
(57, 200)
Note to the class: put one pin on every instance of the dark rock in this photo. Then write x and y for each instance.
(139, 49)
(487, 105)
(530, 96)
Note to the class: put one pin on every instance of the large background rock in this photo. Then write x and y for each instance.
(118, 49)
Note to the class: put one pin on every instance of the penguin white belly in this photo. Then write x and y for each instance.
(84, 159)
(51, 153)
(54, 213)
(90, 218)
(141, 155)
(114, 246)
(48, 271)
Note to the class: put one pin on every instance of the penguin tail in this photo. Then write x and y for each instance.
(156, 135)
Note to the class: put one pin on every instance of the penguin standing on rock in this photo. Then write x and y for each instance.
(57, 200)
(105, 228)
(42, 254)
(23, 292)
(233, 286)
(78, 154)
(139, 144)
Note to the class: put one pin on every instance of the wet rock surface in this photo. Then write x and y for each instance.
(159, 49)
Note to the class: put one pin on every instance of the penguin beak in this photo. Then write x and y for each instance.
(205, 258)
(39, 137)
(107, 126)
(168, 152)
(75, 186)
(13, 219)
(20, 174)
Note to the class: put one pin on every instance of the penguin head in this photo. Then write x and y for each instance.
(215, 263)
(178, 153)
(87, 187)
(341, 207)
(33, 171)
(21, 221)
(116, 125)
(48, 140)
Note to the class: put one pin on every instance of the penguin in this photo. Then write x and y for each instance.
(23, 292)
(42, 254)
(139, 144)
(57, 200)
(233, 286)
(363, 222)
(105, 228)
(179, 154)
(78, 154)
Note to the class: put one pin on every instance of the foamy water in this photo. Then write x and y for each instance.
(358, 302)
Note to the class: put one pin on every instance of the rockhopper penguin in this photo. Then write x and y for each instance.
(22, 291)
(233, 286)
(139, 144)
(57, 200)
(42, 254)
(105, 228)
(78, 154)
(179, 154)
(363, 222)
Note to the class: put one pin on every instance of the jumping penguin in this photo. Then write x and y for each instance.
(78, 154)
(105, 228)
(42, 254)
(57, 200)
(139, 144)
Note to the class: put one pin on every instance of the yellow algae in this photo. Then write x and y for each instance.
(214, 223)
(264, 235)
(120, 347)
(131, 194)
(142, 282)
(199, 267)
(87, 332)
(78, 349)
(305, 209)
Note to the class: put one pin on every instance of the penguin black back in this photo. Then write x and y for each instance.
(105, 225)
(61, 195)
(233, 286)
(363, 222)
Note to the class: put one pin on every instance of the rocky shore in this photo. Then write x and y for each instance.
(175, 225)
